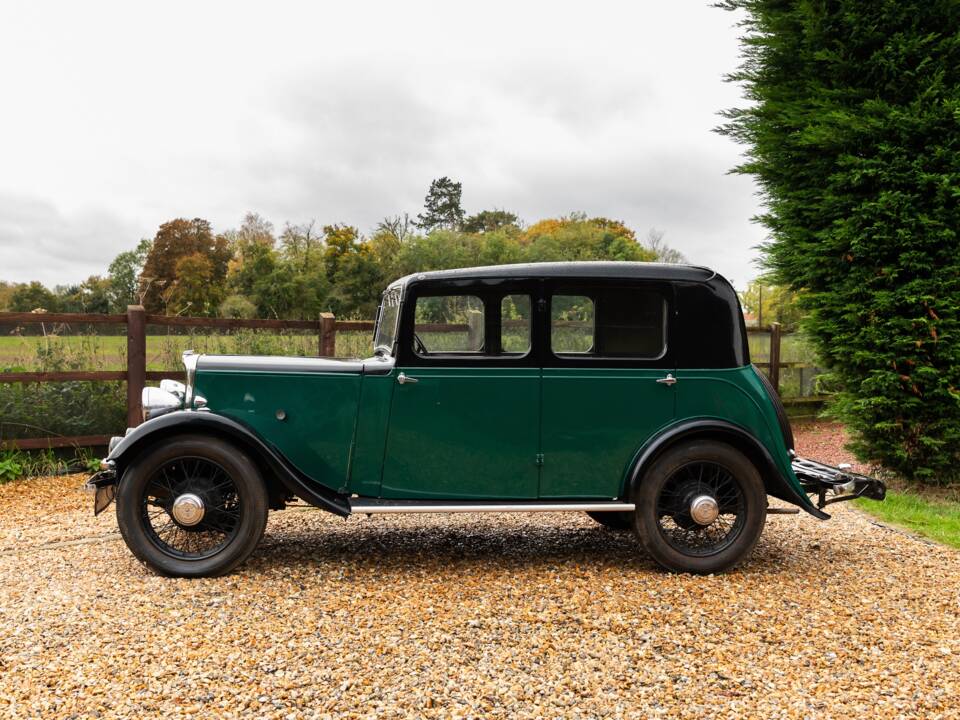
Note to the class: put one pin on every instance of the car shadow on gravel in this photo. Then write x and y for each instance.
(407, 548)
(457, 545)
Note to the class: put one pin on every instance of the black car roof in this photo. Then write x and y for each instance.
(583, 269)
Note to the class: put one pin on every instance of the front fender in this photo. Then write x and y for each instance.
(202, 422)
(777, 482)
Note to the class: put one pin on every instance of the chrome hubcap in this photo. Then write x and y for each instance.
(704, 509)
(188, 509)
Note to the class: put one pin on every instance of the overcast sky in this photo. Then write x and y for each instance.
(118, 117)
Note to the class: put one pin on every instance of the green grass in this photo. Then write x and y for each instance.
(936, 519)
(109, 352)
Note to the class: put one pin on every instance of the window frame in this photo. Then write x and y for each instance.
(540, 291)
(591, 287)
(491, 293)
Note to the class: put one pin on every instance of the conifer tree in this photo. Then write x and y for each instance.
(441, 207)
(853, 133)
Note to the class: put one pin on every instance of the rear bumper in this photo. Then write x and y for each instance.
(819, 479)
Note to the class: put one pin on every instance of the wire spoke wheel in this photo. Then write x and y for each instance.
(701, 509)
(191, 508)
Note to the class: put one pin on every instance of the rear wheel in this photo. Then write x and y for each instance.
(194, 507)
(613, 520)
(700, 507)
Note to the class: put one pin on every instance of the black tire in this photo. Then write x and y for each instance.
(666, 527)
(229, 483)
(614, 520)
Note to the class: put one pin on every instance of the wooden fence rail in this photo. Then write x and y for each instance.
(136, 375)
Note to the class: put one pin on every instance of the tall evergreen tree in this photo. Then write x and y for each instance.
(853, 133)
(441, 207)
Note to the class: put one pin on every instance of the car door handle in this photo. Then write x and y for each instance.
(403, 379)
(668, 380)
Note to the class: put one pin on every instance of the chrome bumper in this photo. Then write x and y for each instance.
(104, 487)
(820, 479)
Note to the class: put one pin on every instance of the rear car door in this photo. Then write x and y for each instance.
(607, 383)
(465, 414)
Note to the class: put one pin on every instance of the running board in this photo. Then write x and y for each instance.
(370, 506)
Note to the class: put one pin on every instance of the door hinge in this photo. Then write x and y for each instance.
(539, 459)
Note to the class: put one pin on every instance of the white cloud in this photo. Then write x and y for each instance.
(121, 116)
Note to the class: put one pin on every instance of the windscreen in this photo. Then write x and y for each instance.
(387, 318)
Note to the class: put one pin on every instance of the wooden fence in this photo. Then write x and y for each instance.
(136, 375)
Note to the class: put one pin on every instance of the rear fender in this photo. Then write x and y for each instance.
(776, 484)
(271, 462)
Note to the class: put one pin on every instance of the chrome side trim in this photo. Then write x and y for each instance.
(370, 507)
(267, 363)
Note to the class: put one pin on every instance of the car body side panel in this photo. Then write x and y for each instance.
(737, 396)
(592, 421)
(309, 417)
(469, 433)
(366, 465)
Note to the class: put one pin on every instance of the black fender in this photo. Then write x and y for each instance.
(207, 423)
(774, 480)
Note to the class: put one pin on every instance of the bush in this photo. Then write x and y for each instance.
(67, 408)
(854, 137)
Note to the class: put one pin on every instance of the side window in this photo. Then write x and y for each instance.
(632, 323)
(448, 324)
(572, 324)
(610, 322)
(515, 321)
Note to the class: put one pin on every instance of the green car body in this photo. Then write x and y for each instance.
(542, 386)
(528, 434)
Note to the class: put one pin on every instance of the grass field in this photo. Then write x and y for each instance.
(109, 352)
(937, 519)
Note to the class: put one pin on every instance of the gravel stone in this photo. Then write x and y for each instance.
(472, 616)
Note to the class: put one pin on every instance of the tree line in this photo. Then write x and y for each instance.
(304, 269)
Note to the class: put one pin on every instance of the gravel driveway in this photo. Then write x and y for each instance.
(471, 616)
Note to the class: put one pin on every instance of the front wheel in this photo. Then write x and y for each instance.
(194, 506)
(700, 507)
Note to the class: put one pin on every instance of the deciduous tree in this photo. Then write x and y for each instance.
(490, 220)
(123, 275)
(33, 296)
(174, 241)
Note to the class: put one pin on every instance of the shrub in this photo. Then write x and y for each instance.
(854, 137)
(11, 467)
(67, 408)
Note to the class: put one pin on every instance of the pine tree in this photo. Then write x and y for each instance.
(441, 207)
(853, 133)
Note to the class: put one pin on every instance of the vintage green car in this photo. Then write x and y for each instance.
(623, 390)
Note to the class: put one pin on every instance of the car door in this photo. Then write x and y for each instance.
(607, 384)
(465, 414)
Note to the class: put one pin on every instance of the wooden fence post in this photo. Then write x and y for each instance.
(328, 335)
(136, 362)
(775, 356)
(474, 329)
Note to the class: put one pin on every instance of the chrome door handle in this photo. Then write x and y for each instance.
(403, 379)
(668, 380)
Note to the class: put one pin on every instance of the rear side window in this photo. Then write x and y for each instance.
(571, 324)
(609, 323)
